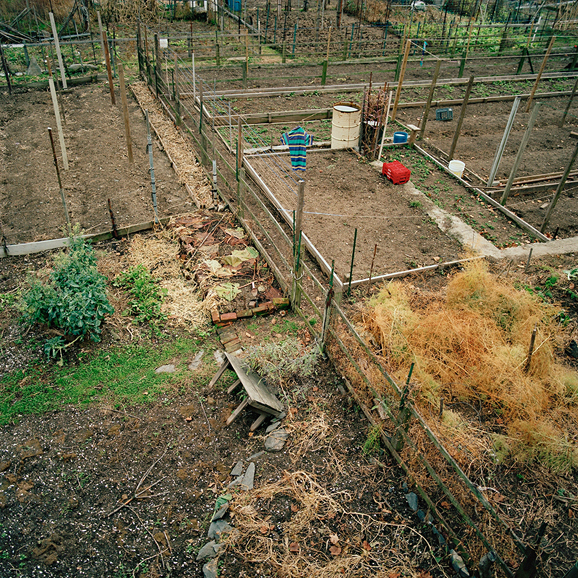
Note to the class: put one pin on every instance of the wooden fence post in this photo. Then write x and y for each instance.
(298, 247)
(569, 102)
(125, 112)
(429, 99)
(542, 67)
(401, 75)
(518, 159)
(461, 119)
(560, 188)
(503, 142)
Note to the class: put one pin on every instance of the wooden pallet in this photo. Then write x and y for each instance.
(258, 396)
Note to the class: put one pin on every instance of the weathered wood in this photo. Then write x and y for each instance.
(461, 119)
(236, 413)
(401, 75)
(429, 99)
(262, 417)
(220, 372)
(560, 188)
(233, 387)
(540, 72)
(258, 396)
(520, 153)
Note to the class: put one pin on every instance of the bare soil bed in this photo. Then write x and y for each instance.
(30, 205)
(343, 193)
(549, 151)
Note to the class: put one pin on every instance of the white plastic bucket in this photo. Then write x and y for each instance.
(345, 125)
(457, 167)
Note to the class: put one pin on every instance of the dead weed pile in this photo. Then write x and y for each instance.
(471, 346)
(317, 535)
(159, 254)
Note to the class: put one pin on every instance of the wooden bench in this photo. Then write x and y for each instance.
(258, 396)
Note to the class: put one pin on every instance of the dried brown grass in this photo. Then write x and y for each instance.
(300, 546)
(159, 254)
(471, 346)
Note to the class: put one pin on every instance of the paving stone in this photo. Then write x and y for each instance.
(238, 469)
(249, 477)
(218, 528)
(170, 368)
(273, 427)
(458, 564)
(210, 569)
(209, 550)
(220, 514)
(196, 363)
(257, 455)
(275, 441)
(238, 480)
(412, 501)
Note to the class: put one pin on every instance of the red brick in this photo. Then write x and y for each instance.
(244, 314)
(229, 316)
(262, 310)
(215, 316)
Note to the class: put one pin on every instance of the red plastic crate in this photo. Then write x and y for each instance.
(397, 173)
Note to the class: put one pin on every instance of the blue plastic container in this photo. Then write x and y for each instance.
(399, 137)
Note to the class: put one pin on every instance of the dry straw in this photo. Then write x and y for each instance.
(471, 347)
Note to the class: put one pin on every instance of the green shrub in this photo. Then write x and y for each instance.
(74, 298)
(147, 298)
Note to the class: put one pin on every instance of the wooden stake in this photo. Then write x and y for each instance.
(108, 68)
(503, 142)
(372, 262)
(389, 97)
(429, 99)
(542, 67)
(461, 119)
(531, 350)
(328, 43)
(125, 112)
(518, 159)
(401, 75)
(58, 123)
(569, 102)
(300, 203)
(62, 197)
(240, 145)
(560, 185)
(58, 53)
(6, 70)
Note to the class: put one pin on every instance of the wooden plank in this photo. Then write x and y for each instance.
(219, 373)
(233, 387)
(236, 413)
(39, 246)
(258, 421)
(257, 392)
(276, 91)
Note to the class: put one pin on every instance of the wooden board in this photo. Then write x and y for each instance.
(258, 395)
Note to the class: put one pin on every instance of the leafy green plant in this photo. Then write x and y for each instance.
(147, 296)
(372, 442)
(284, 361)
(73, 299)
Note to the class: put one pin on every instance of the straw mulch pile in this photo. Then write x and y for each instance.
(297, 528)
(470, 346)
(188, 170)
